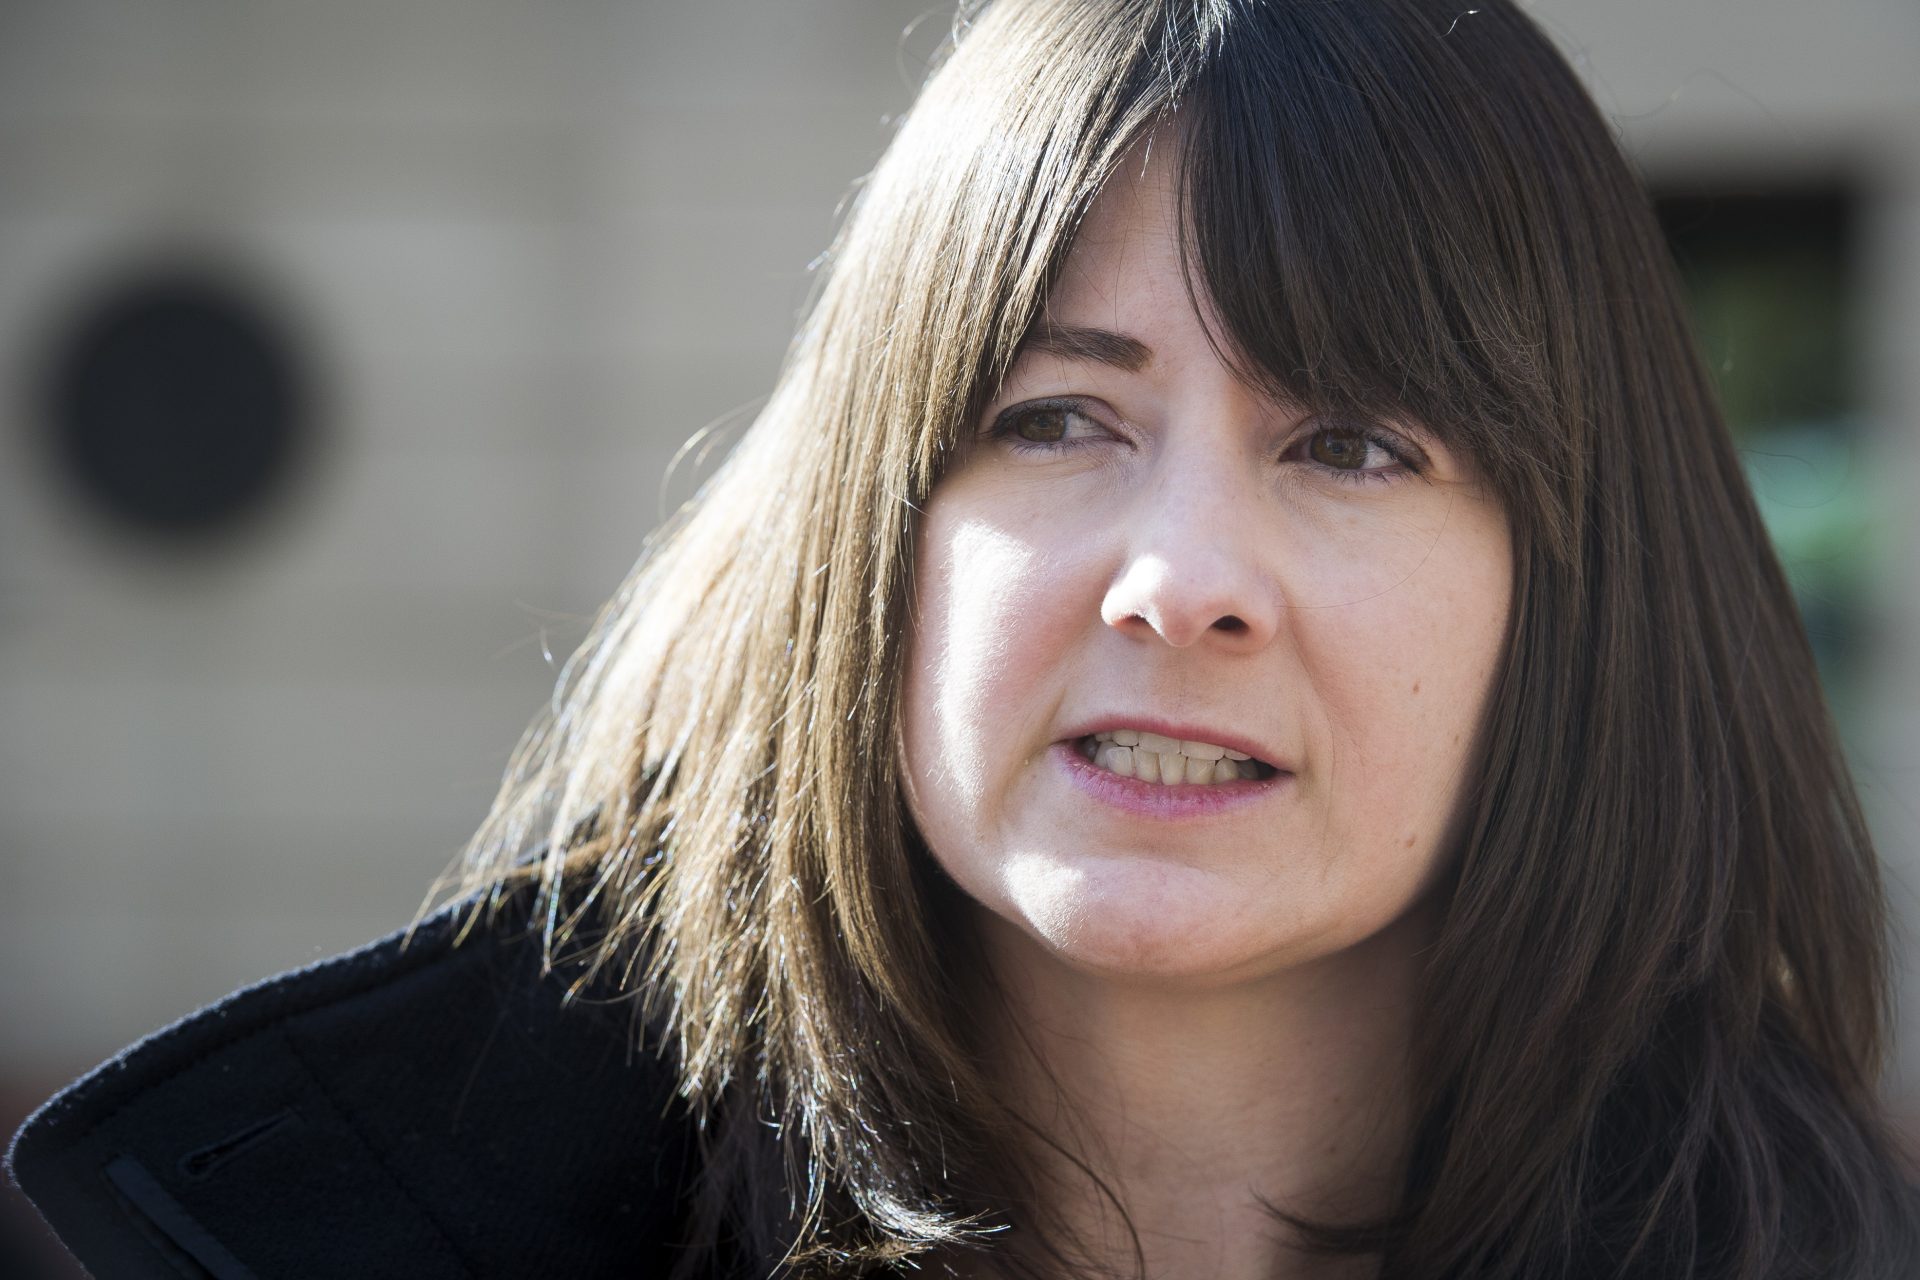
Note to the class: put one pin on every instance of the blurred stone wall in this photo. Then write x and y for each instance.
(525, 249)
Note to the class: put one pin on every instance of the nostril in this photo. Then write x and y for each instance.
(1230, 623)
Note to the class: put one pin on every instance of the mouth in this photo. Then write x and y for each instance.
(1153, 757)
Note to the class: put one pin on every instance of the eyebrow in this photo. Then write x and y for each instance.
(1077, 342)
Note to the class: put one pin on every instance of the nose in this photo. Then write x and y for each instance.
(1193, 572)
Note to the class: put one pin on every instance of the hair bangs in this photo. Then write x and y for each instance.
(1358, 222)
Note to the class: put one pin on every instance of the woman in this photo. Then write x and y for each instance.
(1233, 717)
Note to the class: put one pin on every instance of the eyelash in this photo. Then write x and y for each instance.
(1007, 420)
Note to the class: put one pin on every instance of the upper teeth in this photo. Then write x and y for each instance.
(1153, 757)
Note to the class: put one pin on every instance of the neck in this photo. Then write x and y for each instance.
(1197, 1108)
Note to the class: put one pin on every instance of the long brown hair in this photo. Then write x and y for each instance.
(1656, 1014)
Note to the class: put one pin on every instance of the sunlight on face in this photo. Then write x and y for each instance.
(1141, 570)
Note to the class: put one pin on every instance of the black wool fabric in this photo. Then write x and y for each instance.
(415, 1108)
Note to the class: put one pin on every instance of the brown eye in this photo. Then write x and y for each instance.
(1342, 448)
(1046, 424)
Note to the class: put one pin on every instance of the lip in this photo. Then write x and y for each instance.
(1185, 732)
(1172, 802)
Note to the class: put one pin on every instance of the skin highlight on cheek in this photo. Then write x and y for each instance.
(980, 604)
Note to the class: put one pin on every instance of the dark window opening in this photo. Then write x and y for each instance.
(176, 405)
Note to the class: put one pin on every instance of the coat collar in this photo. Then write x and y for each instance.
(425, 1106)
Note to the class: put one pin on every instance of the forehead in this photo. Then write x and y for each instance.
(1124, 272)
(1128, 235)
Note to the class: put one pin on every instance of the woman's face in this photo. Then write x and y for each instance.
(1135, 551)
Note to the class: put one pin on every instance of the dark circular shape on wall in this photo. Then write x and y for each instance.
(176, 403)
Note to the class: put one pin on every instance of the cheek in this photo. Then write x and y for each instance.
(1404, 680)
(991, 628)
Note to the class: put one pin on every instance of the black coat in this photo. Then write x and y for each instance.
(423, 1111)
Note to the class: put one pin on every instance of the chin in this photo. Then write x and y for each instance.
(1148, 922)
